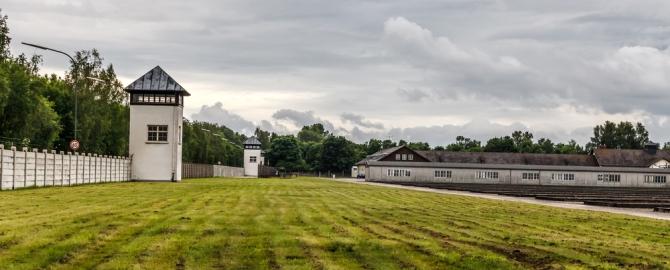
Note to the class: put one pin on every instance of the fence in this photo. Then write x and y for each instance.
(193, 170)
(20, 169)
(266, 171)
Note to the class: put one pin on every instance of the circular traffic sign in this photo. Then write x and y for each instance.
(74, 145)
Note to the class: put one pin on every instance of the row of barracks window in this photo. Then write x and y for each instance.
(530, 176)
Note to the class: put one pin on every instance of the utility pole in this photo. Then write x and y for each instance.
(74, 83)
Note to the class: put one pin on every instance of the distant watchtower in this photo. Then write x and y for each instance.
(253, 156)
(156, 116)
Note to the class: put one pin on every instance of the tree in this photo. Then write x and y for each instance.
(311, 151)
(312, 133)
(418, 146)
(373, 146)
(570, 148)
(544, 145)
(4, 38)
(388, 144)
(502, 144)
(285, 153)
(464, 144)
(523, 141)
(624, 135)
(211, 143)
(264, 137)
(338, 154)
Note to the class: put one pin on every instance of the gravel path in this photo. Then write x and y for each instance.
(638, 212)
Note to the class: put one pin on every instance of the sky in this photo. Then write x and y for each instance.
(412, 70)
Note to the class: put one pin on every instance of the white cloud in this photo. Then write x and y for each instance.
(217, 114)
(641, 66)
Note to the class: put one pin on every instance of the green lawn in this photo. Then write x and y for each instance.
(309, 224)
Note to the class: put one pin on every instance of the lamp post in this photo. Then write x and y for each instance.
(74, 85)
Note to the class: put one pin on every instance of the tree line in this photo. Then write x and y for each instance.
(37, 111)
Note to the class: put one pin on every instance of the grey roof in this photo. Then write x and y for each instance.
(156, 80)
(252, 141)
(515, 167)
(379, 155)
(629, 157)
(601, 158)
(510, 158)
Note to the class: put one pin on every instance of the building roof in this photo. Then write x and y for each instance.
(516, 167)
(252, 141)
(156, 80)
(639, 158)
(630, 157)
(510, 158)
(379, 155)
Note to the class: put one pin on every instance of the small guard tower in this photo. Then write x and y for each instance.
(156, 116)
(253, 156)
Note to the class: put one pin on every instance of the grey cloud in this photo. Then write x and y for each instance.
(217, 114)
(412, 95)
(301, 119)
(359, 120)
(463, 59)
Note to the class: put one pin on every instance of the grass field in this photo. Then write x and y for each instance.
(309, 224)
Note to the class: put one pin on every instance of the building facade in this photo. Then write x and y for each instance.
(253, 157)
(156, 118)
(605, 167)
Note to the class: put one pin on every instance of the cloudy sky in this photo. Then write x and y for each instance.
(414, 70)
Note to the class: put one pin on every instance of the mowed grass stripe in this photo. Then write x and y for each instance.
(309, 224)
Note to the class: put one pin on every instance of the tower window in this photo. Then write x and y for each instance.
(252, 159)
(157, 133)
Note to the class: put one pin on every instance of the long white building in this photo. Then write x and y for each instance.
(604, 167)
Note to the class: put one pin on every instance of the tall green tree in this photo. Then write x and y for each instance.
(502, 144)
(464, 144)
(312, 133)
(338, 154)
(419, 146)
(285, 154)
(624, 135)
(373, 146)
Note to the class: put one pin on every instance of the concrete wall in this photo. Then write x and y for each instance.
(23, 168)
(155, 161)
(193, 170)
(461, 175)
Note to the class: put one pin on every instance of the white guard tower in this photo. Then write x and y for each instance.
(156, 115)
(253, 156)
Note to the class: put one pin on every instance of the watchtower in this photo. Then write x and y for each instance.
(156, 117)
(253, 156)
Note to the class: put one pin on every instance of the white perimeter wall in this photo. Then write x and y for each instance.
(155, 161)
(23, 168)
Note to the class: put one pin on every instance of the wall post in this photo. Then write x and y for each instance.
(13, 148)
(2, 163)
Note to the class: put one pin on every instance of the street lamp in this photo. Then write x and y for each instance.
(74, 86)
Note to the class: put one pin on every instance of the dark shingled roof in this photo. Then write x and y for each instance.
(252, 141)
(600, 158)
(629, 157)
(379, 155)
(510, 158)
(156, 80)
